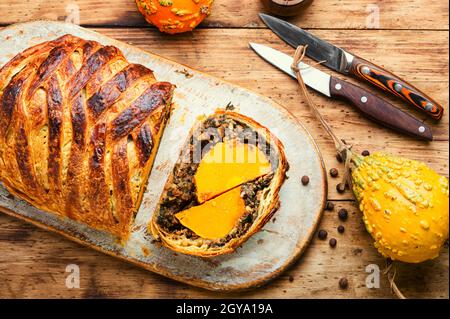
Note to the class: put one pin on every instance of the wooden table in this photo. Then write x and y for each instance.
(411, 39)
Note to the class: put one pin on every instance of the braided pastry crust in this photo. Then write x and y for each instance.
(79, 130)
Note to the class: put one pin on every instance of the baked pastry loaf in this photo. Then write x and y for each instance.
(79, 129)
(190, 223)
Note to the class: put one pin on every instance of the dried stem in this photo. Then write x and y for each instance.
(391, 271)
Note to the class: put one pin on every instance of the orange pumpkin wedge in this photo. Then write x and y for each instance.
(217, 217)
(227, 165)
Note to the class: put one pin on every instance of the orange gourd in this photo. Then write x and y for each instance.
(175, 16)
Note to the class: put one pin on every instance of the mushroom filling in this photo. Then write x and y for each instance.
(181, 193)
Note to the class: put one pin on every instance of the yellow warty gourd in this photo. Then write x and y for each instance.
(405, 206)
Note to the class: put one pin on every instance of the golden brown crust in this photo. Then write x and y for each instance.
(79, 128)
(269, 203)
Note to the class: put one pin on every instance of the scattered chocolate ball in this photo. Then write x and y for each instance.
(343, 214)
(341, 229)
(343, 283)
(322, 234)
(340, 188)
(291, 279)
(305, 180)
(339, 157)
(365, 153)
(334, 172)
(332, 242)
(329, 206)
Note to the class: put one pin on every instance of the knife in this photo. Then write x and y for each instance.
(366, 102)
(343, 62)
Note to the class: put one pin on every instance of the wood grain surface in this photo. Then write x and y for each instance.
(412, 41)
(342, 14)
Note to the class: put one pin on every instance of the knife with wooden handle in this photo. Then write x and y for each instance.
(389, 82)
(367, 103)
(378, 109)
(344, 62)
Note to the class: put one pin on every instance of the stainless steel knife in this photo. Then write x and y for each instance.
(344, 62)
(366, 102)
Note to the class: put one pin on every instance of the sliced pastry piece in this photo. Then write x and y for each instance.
(79, 129)
(223, 188)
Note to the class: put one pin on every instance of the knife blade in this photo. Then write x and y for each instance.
(369, 104)
(344, 62)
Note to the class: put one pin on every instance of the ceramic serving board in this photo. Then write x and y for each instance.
(267, 253)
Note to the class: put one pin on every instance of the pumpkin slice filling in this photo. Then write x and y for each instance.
(227, 165)
(215, 218)
(216, 197)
